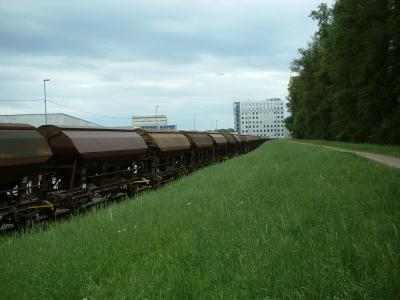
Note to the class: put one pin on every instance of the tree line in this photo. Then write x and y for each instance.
(346, 83)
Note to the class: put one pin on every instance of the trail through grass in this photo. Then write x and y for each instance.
(380, 149)
(285, 221)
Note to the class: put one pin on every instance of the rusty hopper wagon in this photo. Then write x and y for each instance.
(167, 157)
(202, 149)
(232, 144)
(50, 170)
(220, 146)
(23, 156)
(240, 144)
(93, 164)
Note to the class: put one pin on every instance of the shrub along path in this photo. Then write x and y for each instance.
(286, 221)
(387, 160)
(389, 150)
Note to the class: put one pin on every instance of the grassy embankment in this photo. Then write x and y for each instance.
(286, 221)
(380, 149)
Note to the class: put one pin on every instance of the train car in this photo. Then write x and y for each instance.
(23, 157)
(239, 144)
(255, 141)
(246, 142)
(231, 145)
(55, 169)
(92, 165)
(220, 146)
(251, 142)
(169, 155)
(202, 148)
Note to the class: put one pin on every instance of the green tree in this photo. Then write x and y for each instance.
(346, 84)
(226, 130)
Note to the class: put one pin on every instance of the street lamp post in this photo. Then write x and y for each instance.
(45, 100)
(157, 116)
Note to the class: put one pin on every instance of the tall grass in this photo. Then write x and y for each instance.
(285, 221)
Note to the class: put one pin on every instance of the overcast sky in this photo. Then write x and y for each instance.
(124, 57)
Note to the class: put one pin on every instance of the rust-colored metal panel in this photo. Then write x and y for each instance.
(237, 138)
(22, 151)
(219, 139)
(169, 141)
(16, 126)
(93, 142)
(21, 144)
(230, 138)
(244, 138)
(165, 140)
(200, 140)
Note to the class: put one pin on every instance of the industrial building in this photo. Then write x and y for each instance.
(37, 120)
(263, 118)
(152, 122)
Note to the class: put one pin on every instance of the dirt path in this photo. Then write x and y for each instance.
(390, 161)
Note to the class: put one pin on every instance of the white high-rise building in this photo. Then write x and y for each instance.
(263, 118)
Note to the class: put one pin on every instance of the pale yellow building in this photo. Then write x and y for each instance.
(152, 122)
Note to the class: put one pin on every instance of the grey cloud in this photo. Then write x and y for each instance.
(124, 57)
(135, 31)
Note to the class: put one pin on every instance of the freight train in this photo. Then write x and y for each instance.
(53, 170)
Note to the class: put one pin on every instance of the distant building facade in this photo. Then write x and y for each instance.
(37, 120)
(263, 118)
(152, 122)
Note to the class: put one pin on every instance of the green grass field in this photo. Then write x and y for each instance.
(286, 221)
(381, 149)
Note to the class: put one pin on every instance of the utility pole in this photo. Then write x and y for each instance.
(157, 116)
(194, 122)
(216, 125)
(45, 100)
